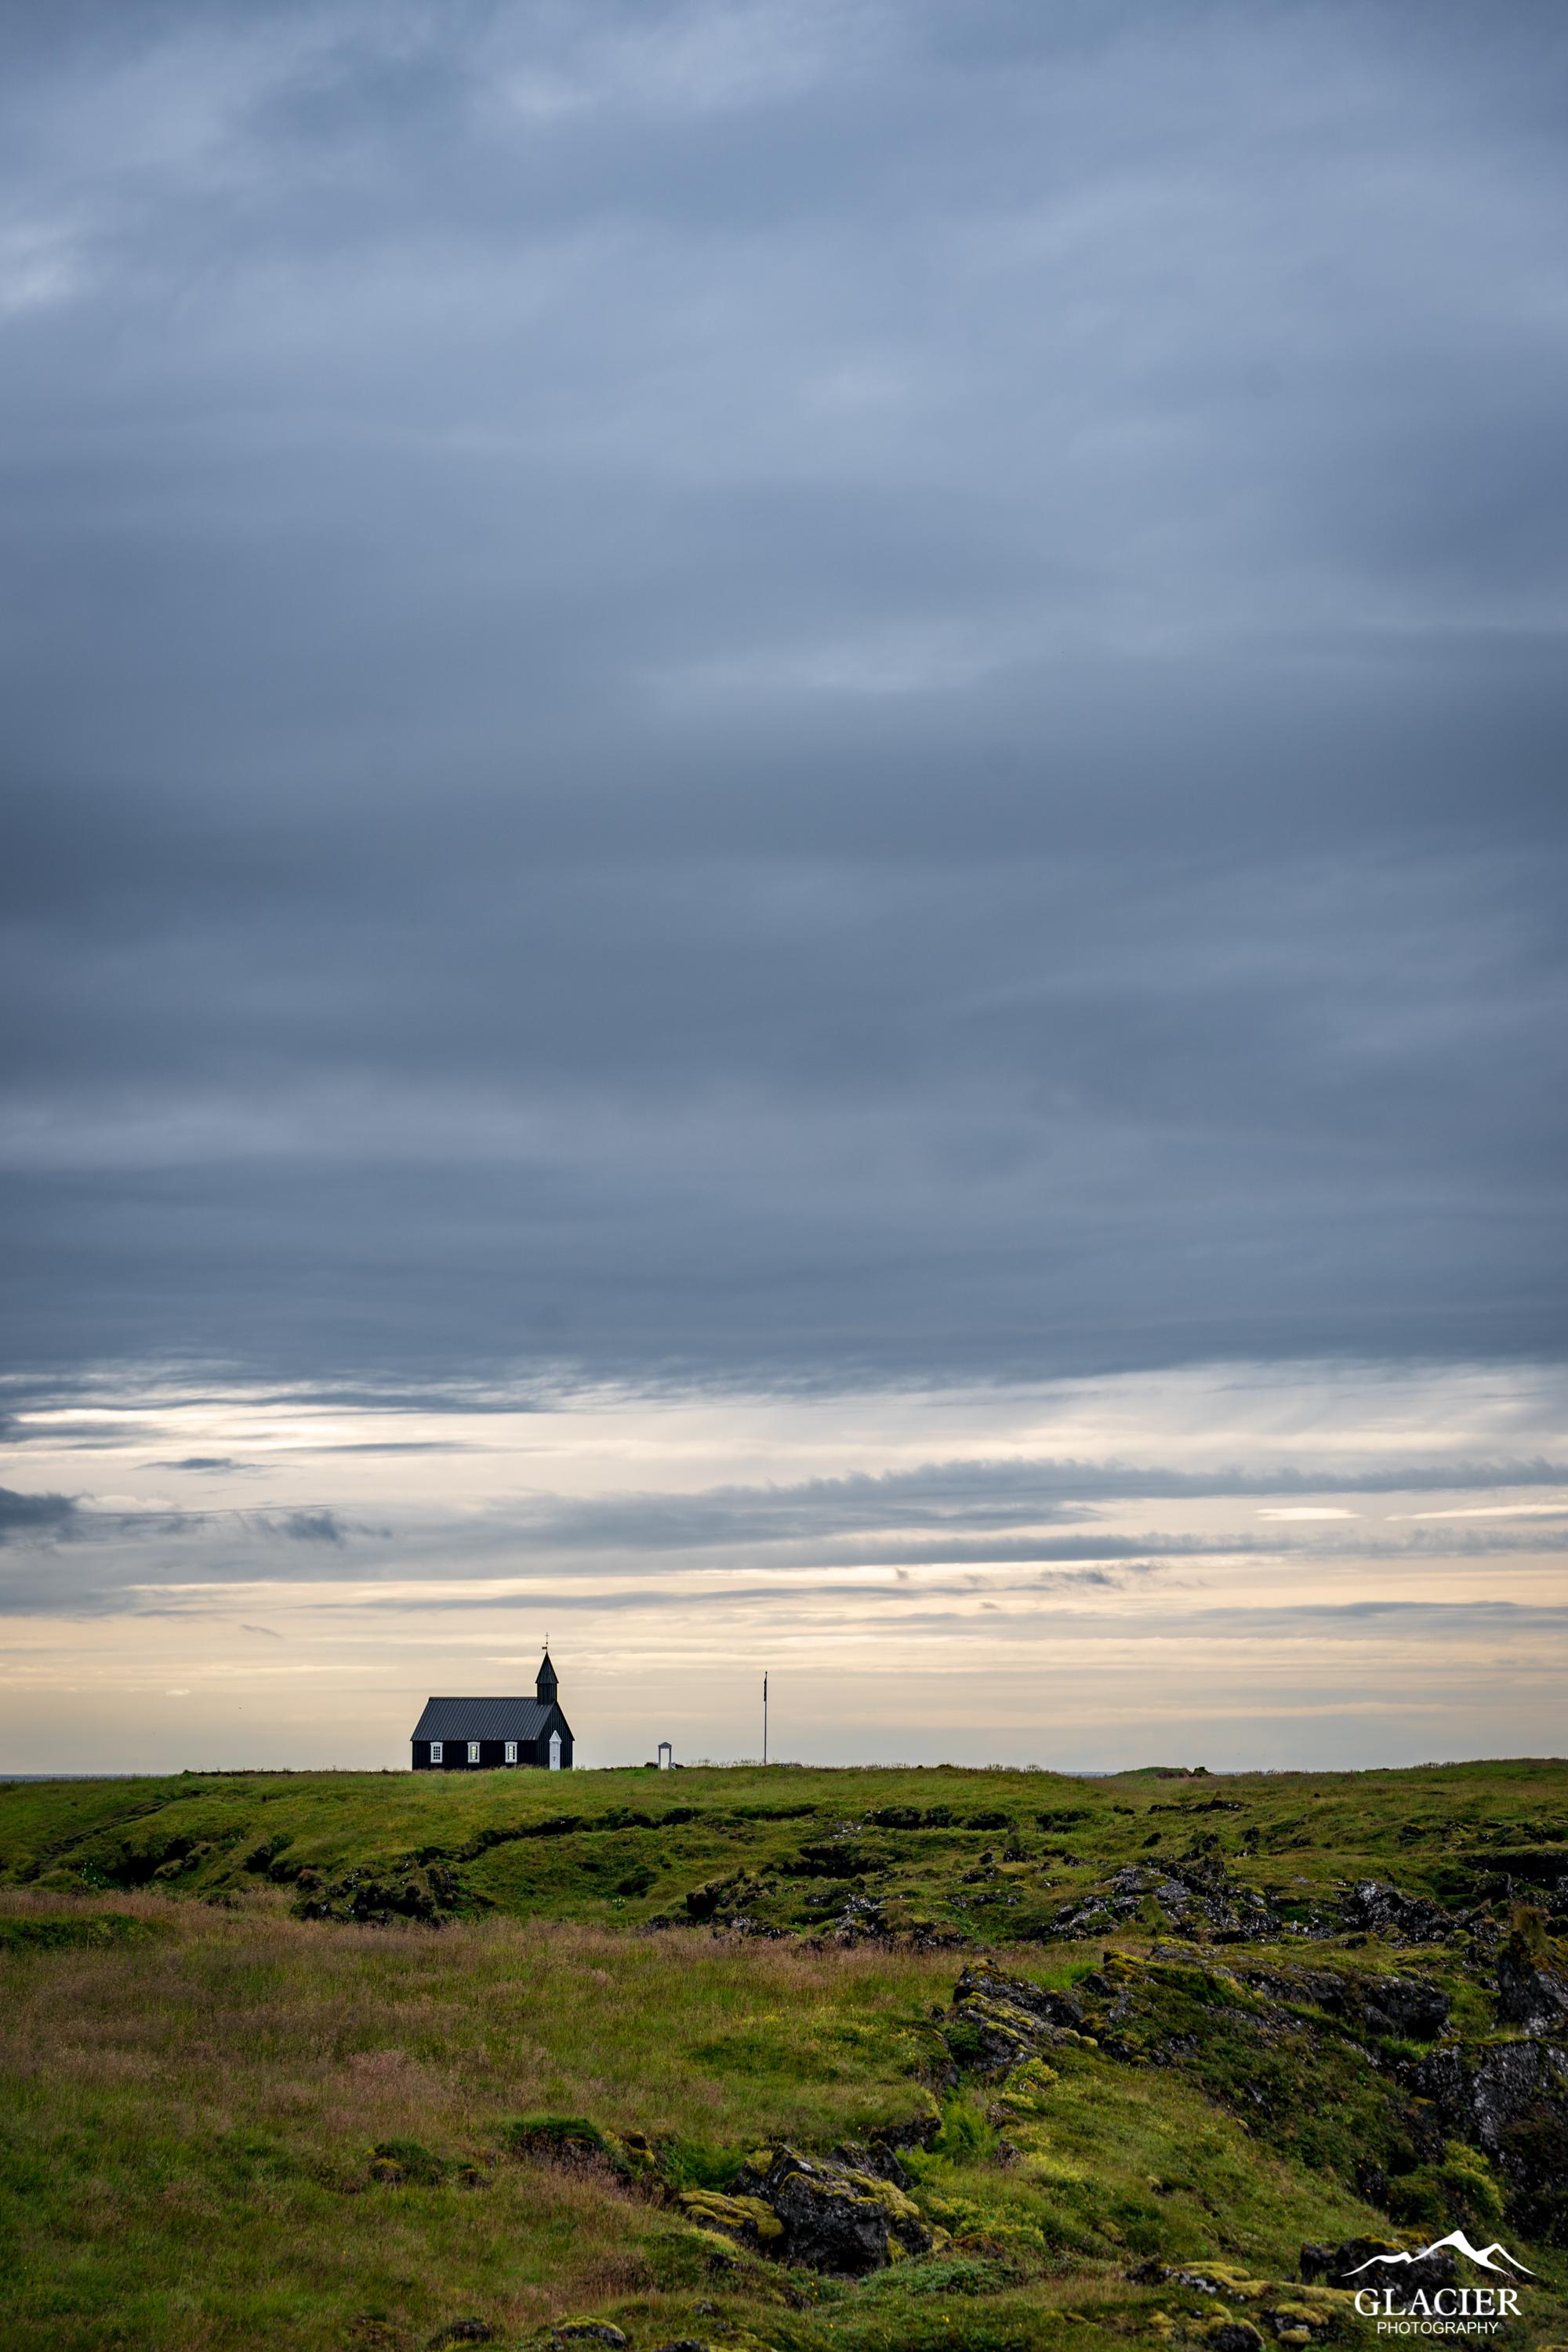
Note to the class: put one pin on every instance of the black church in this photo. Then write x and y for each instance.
(490, 1735)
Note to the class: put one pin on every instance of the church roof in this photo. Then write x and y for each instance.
(484, 1719)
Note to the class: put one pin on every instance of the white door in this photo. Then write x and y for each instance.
(555, 1752)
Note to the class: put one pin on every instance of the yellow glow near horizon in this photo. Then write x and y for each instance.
(255, 1578)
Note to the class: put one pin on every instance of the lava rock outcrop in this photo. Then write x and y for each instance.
(826, 2215)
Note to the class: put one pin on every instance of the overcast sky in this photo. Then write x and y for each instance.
(779, 778)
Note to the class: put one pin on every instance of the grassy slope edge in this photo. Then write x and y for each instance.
(195, 2086)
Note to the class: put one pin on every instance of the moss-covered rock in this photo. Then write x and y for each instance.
(748, 2220)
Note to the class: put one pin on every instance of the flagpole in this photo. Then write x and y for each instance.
(764, 1718)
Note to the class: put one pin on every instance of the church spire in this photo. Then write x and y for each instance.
(546, 1684)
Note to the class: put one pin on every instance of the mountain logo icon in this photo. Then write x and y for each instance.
(1461, 2245)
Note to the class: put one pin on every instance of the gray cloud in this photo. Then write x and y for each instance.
(964, 1508)
(63, 1516)
(307, 1527)
(34, 1515)
(781, 694)
(967, 1496)
(800, 1540)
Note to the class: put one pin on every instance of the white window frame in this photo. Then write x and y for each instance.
(473, 1751)
(511, 1751)
(435, 1751)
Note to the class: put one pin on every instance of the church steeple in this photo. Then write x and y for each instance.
(546, 1685)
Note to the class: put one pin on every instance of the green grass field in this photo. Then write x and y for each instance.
(225, 1994)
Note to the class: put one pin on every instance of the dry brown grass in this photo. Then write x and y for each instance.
(190, 2116)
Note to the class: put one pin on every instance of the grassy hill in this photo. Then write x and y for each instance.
(353, 2060)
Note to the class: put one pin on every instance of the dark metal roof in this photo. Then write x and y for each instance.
(485, 1718)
